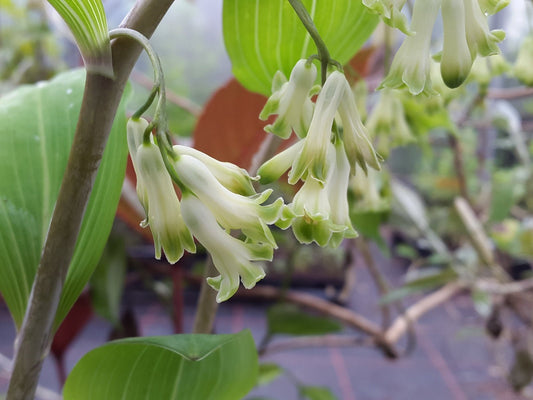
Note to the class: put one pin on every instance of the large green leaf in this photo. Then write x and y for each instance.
(167, 367)
(264, 36)
(37, 125)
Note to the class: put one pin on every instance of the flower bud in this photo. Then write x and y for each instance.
(231, 176)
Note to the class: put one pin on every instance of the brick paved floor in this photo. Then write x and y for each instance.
(453, 359)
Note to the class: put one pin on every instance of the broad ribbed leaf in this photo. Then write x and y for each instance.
(87, 22)
(167, 367)
(37, 125)
(264, 36)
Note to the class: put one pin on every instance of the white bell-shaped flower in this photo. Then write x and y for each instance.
(231, 176)
(232, 258)
(158, 197)
(411, 64)
(232, 210)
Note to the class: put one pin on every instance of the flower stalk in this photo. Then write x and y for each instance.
(323, 52)
(101, 99)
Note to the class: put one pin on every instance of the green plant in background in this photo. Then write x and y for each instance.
(62, 174)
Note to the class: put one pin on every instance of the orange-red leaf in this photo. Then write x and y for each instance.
(229, 128)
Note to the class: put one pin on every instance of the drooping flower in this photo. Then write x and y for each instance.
(231, 176)
(311, 161)
(337, 188)
(291, 101)
(135, 133)
(411, 65)
(320, 210)
(387, 124)
(481, 40)
(456, 60)
(335, 96)
(354, 134)
(232, 258)
(232, 210)
(158, 197)
(367, 191)
(390, 12)
(522, 68)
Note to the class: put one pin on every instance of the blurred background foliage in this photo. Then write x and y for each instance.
(473, 143)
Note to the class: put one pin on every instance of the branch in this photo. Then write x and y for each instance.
(479, 239)
(42, 393)
(433, 300)
(100, 102)
(459, 165)
(510, 93)
(207, 306)
(504, 289)
(317, 341)
(317, 304)
(379, 280)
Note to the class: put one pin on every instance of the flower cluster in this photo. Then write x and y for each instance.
(466, 36)
(219, 206)
(327, 153)
(387, 124)
(217, 198)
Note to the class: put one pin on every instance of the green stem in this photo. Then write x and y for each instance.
(159, 121)
(159, 81)
(207, 307)
(100, 102)
(307, 21)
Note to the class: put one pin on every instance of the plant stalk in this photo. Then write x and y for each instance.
(307, 21)
(207, 307)
(100, 102)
